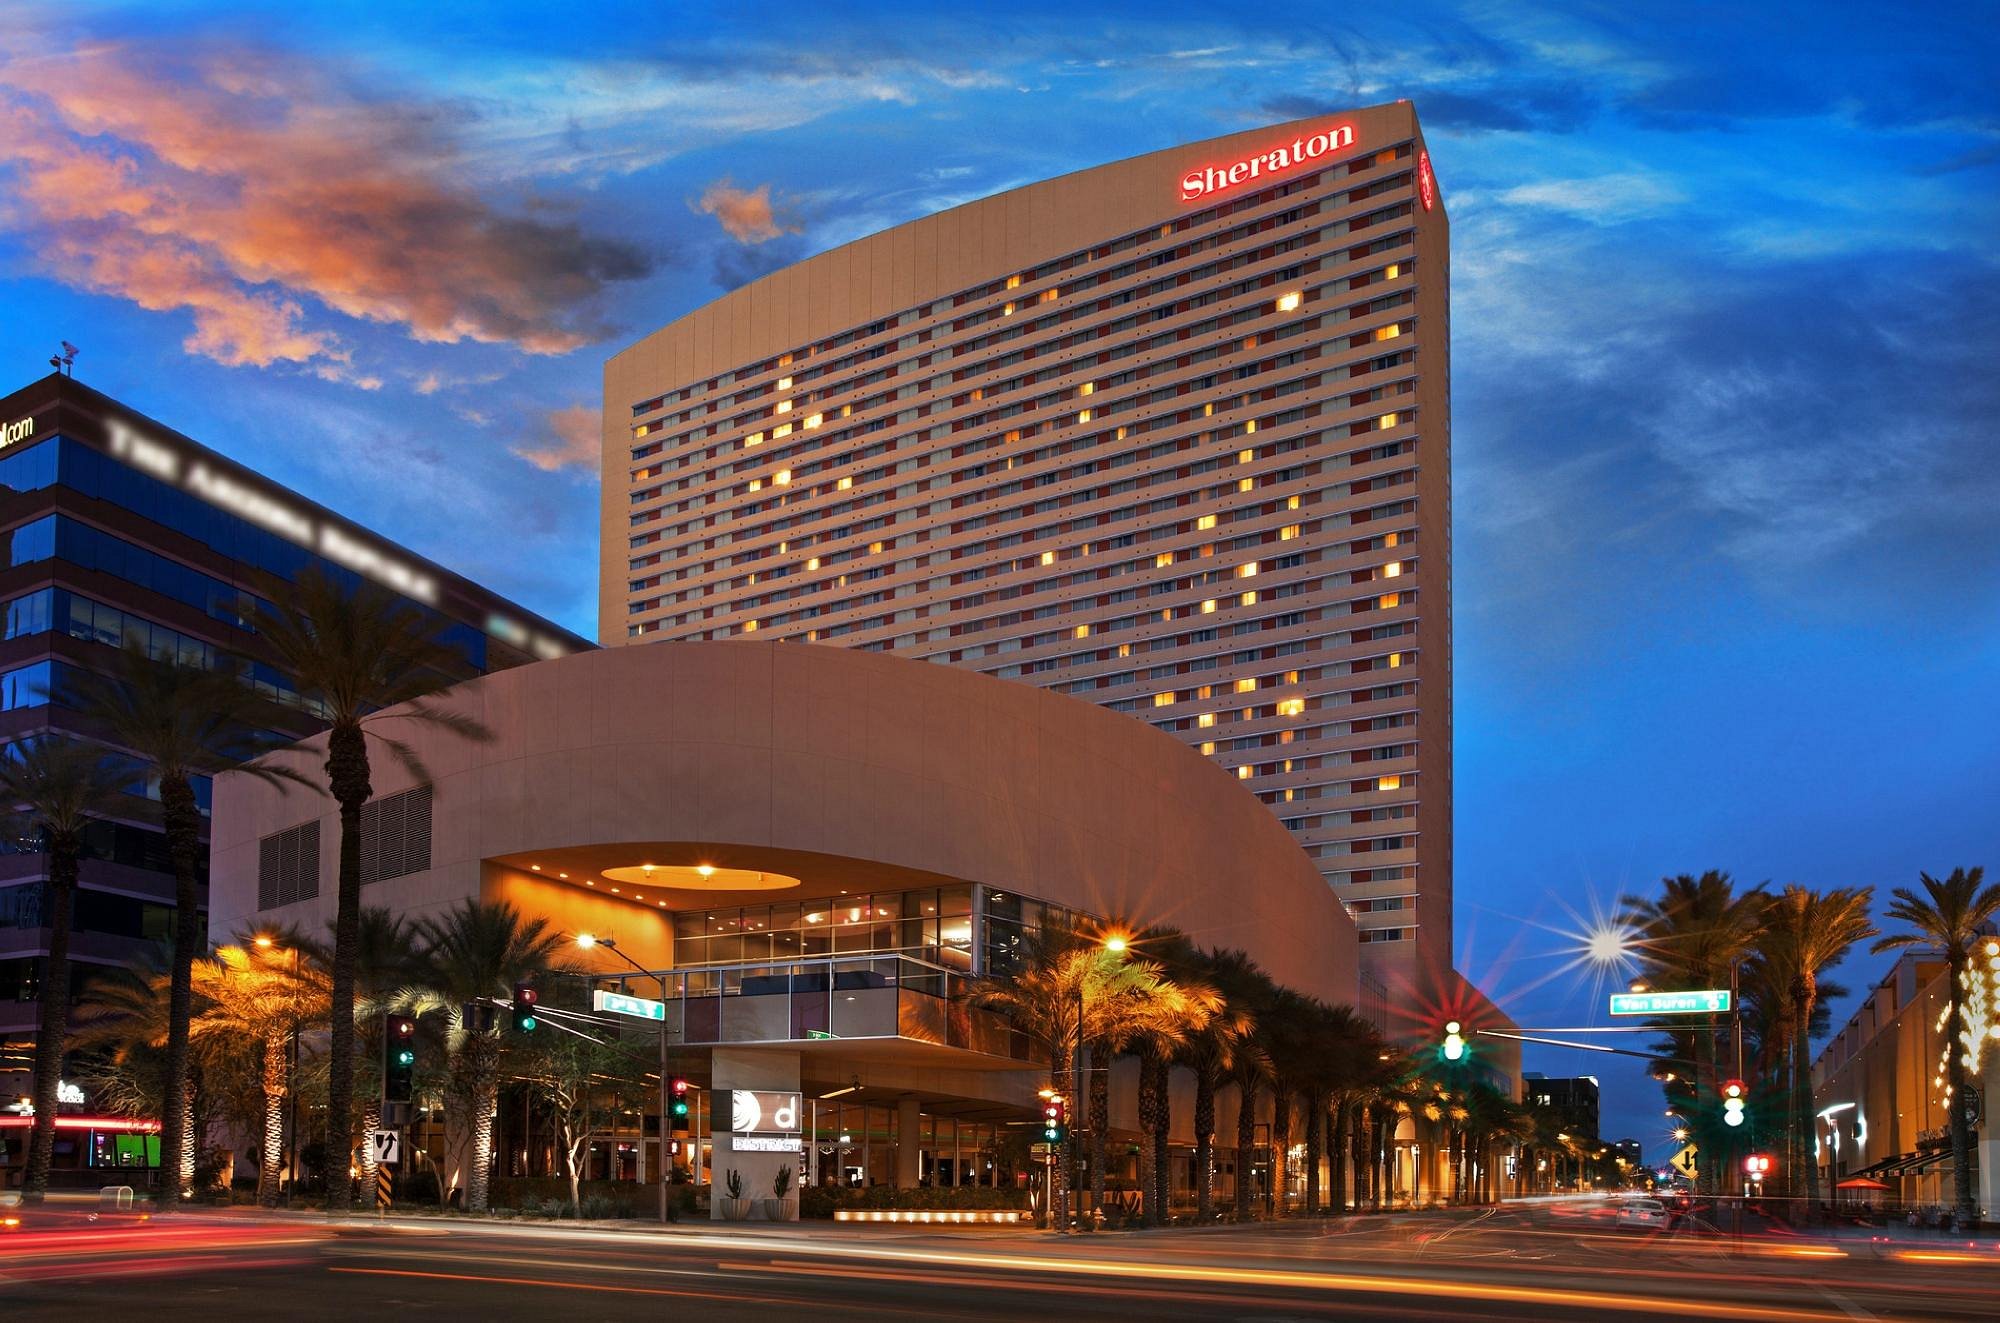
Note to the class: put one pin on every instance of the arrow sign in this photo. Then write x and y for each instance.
(388, 1148)
(617, 1003)
(1708, 1001)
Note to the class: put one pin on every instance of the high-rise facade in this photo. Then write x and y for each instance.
(118, 532)
(1171, 434)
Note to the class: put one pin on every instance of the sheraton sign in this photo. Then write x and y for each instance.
(1273, 160)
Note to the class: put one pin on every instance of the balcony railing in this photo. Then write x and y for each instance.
(843, 997)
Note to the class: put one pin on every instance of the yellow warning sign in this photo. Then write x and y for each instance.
(1683, 1161)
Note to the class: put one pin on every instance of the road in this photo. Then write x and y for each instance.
(1547, 1262)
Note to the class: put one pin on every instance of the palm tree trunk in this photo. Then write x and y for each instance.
(347, 778)
(1246, 1141)
(1967, 1211)
(371, 1121)
(54, 1026)
(180, 816)
(1204, 1145)
(1149, 1110)
(485, 1089)
(1100, 1127)
(1315, 1126)
(272, 1160)
(1281, 1143)
(1163, 1148)
(1336, 1151)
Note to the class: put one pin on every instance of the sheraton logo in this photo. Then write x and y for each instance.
(1275, 160)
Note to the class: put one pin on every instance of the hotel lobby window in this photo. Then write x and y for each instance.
(932, 924)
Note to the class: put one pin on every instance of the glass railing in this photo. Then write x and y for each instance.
(861, 996)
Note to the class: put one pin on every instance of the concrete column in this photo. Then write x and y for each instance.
(760, 1069)
(909, 1129)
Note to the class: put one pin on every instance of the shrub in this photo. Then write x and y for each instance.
(823, 1201)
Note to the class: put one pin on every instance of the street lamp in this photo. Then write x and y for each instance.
(591, 942)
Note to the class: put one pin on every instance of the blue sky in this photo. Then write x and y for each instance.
(1724, 339)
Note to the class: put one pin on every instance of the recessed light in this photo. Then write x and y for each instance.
(535, 868)
(562, 875)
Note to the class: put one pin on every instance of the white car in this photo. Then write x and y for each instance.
(1645, 1214)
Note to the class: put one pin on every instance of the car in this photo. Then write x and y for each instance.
(1644, 1214)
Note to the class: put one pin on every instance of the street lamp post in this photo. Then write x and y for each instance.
(589, 942)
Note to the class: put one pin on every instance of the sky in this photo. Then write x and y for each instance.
(1725, 336)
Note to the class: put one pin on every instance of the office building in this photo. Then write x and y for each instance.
(1573, 1101)
(1170, 435)
(119, 532)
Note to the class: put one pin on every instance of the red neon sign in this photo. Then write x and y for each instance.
(1427, 189)
(1273, 160)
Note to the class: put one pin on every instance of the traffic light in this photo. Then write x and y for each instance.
(524, 1008)
(1732, 1102)
(1454, 1041)
(1055, 1119)
(1757, 1166)
(677, 1102)
(399, 1057)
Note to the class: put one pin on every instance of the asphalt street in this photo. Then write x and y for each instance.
(1544, 1262)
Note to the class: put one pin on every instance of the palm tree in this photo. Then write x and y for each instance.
(1950, 915)
(263, 994)
(1161, 1028)
(1211, 1054)
(472, 954)
(1697, 933)
(387, 970)
(357, 651)
(1805, 934)
(55, 785)
(185, 722)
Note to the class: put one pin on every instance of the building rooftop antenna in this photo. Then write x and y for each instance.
(65, 361)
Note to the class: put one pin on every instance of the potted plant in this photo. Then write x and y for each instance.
(781, 1185)
(735, 1208)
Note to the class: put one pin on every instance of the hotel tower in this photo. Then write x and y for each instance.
(1171, 435)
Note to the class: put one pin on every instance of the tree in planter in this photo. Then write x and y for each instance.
(579, 1080)
(368, 658)
(472, 954)
(183, 722)
(54, 785)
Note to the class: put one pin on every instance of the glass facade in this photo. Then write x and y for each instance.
(931, 925)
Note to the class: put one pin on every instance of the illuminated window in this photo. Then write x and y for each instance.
(1048, 558)
(643, 429)
(813, 563)
(1081, 632)
(1206, 691)
(875, 547)
(1290, 302)
(1246, 484)
(1247, 685)
(1386, 421)
(1291, 502)
(1392, 570)
(1007, 310)
(1250, 425)
(1121, 434)
(1288, 532)
(784, 406)
(1395, 659)
(1243, 772)
(1208, 411)
(1391, 271)
(1124, 650)
(1388, 783)
(1086, 388)
(814, 420)
(782, 429)
(754, 439)
(1247, 570)
(756, 484)
(783, 477)
(1163, 700)
(1390, 599)
(1388, 332)
(1205, 719)
(1208, 746)
(1208, 606)
(749, 627)
(1248, 599)
(1013, 282)
(784, 383)
(1291, 707)
(843, 484)
(1245, 456)
(846, 409)
(1206, 521)
(1049, 295)
(1083, 416)
(1390, 539)
(1164, 559)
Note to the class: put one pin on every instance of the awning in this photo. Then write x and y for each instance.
(1886, 1164)
(1928, 1162)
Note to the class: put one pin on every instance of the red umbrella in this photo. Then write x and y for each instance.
(1859, 1183)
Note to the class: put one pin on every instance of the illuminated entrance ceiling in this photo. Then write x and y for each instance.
(700, 877)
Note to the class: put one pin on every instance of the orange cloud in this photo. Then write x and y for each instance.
(747, 214)
(574, 440)
(243, 189)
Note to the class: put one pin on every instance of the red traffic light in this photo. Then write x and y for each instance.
(525, 992)
(678, 1085)
(402, 1026)
(1732, 1088)
(1757, 1164)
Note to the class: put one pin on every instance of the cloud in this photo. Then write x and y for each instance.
(572, 439)
(1603, 200)
(747, 214)
(249, 190)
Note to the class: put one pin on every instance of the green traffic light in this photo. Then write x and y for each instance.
(680, 1109)
(406, 1057)
(527, 1024)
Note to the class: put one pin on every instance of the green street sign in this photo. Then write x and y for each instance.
(820, 1033)
(617, 1003)
(1709, 1001)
